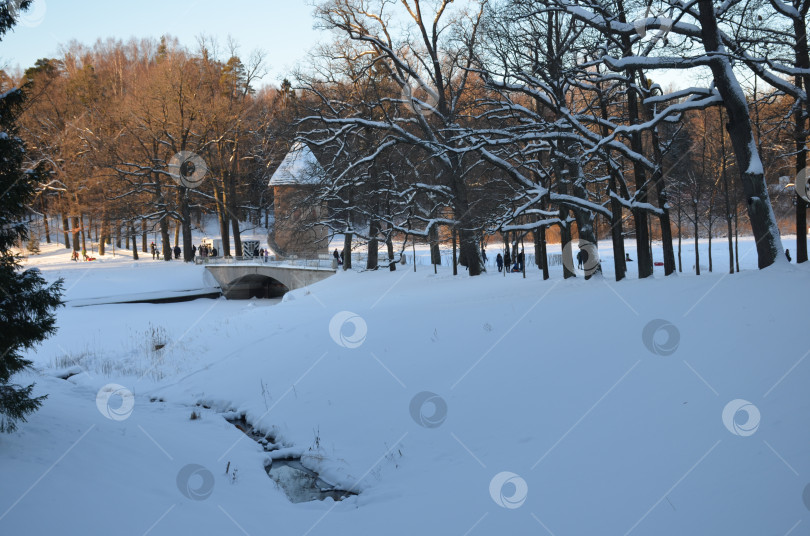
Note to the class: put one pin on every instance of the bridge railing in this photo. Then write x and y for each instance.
(320, 264)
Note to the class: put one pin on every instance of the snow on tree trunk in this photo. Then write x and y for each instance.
(760, 212)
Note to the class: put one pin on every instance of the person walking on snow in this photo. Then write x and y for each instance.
(499, 262)
(507, 260)
(579, 259)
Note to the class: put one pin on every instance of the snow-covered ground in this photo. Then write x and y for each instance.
(452, 405)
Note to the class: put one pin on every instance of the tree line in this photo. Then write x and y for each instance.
(465, 122)
(512, 119)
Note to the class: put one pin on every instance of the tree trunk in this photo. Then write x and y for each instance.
(186, 225)
(105, 223)
(75, 232)
(455, 259)
(800, 121)
(347, 250)
(435, 253)
(760, 211)
(47, 227)
(65, 231)
(164, 236)
(143, 236)
(134, 237)
(222, 219)
(392, 266)
(373, 245)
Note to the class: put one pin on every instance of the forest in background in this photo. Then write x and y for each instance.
(472, 122)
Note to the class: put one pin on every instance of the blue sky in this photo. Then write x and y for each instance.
(282, 28)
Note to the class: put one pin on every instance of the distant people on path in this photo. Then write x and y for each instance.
(484, 255)
(153, 249)
(213, 252)
(338, 257)
(579, 259)
(193, 252)
(787, 254)
(256, 252)
(507, 259)
(177, 251)
(627, 257)
(499, 262)
(521, 260)
(266, 255)
(74, 256)
(342, 256)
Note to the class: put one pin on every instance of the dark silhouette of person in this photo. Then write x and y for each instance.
(499, 262)
(787, 254)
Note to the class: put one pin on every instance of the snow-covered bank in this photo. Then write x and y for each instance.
(420, 391)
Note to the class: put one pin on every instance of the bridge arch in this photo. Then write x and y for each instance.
(245, 280)
(255, 286)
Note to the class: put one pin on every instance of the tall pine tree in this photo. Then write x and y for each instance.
(26, 302)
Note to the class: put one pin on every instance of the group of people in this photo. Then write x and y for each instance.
(75, 256)
(204, 250)
(506, 260)
(338, 257)
(262, 254)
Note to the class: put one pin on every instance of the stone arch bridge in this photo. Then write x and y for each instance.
(244, 280)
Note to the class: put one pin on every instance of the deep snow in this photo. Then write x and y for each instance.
(423, 393)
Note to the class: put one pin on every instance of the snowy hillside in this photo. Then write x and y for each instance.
(437, 404)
